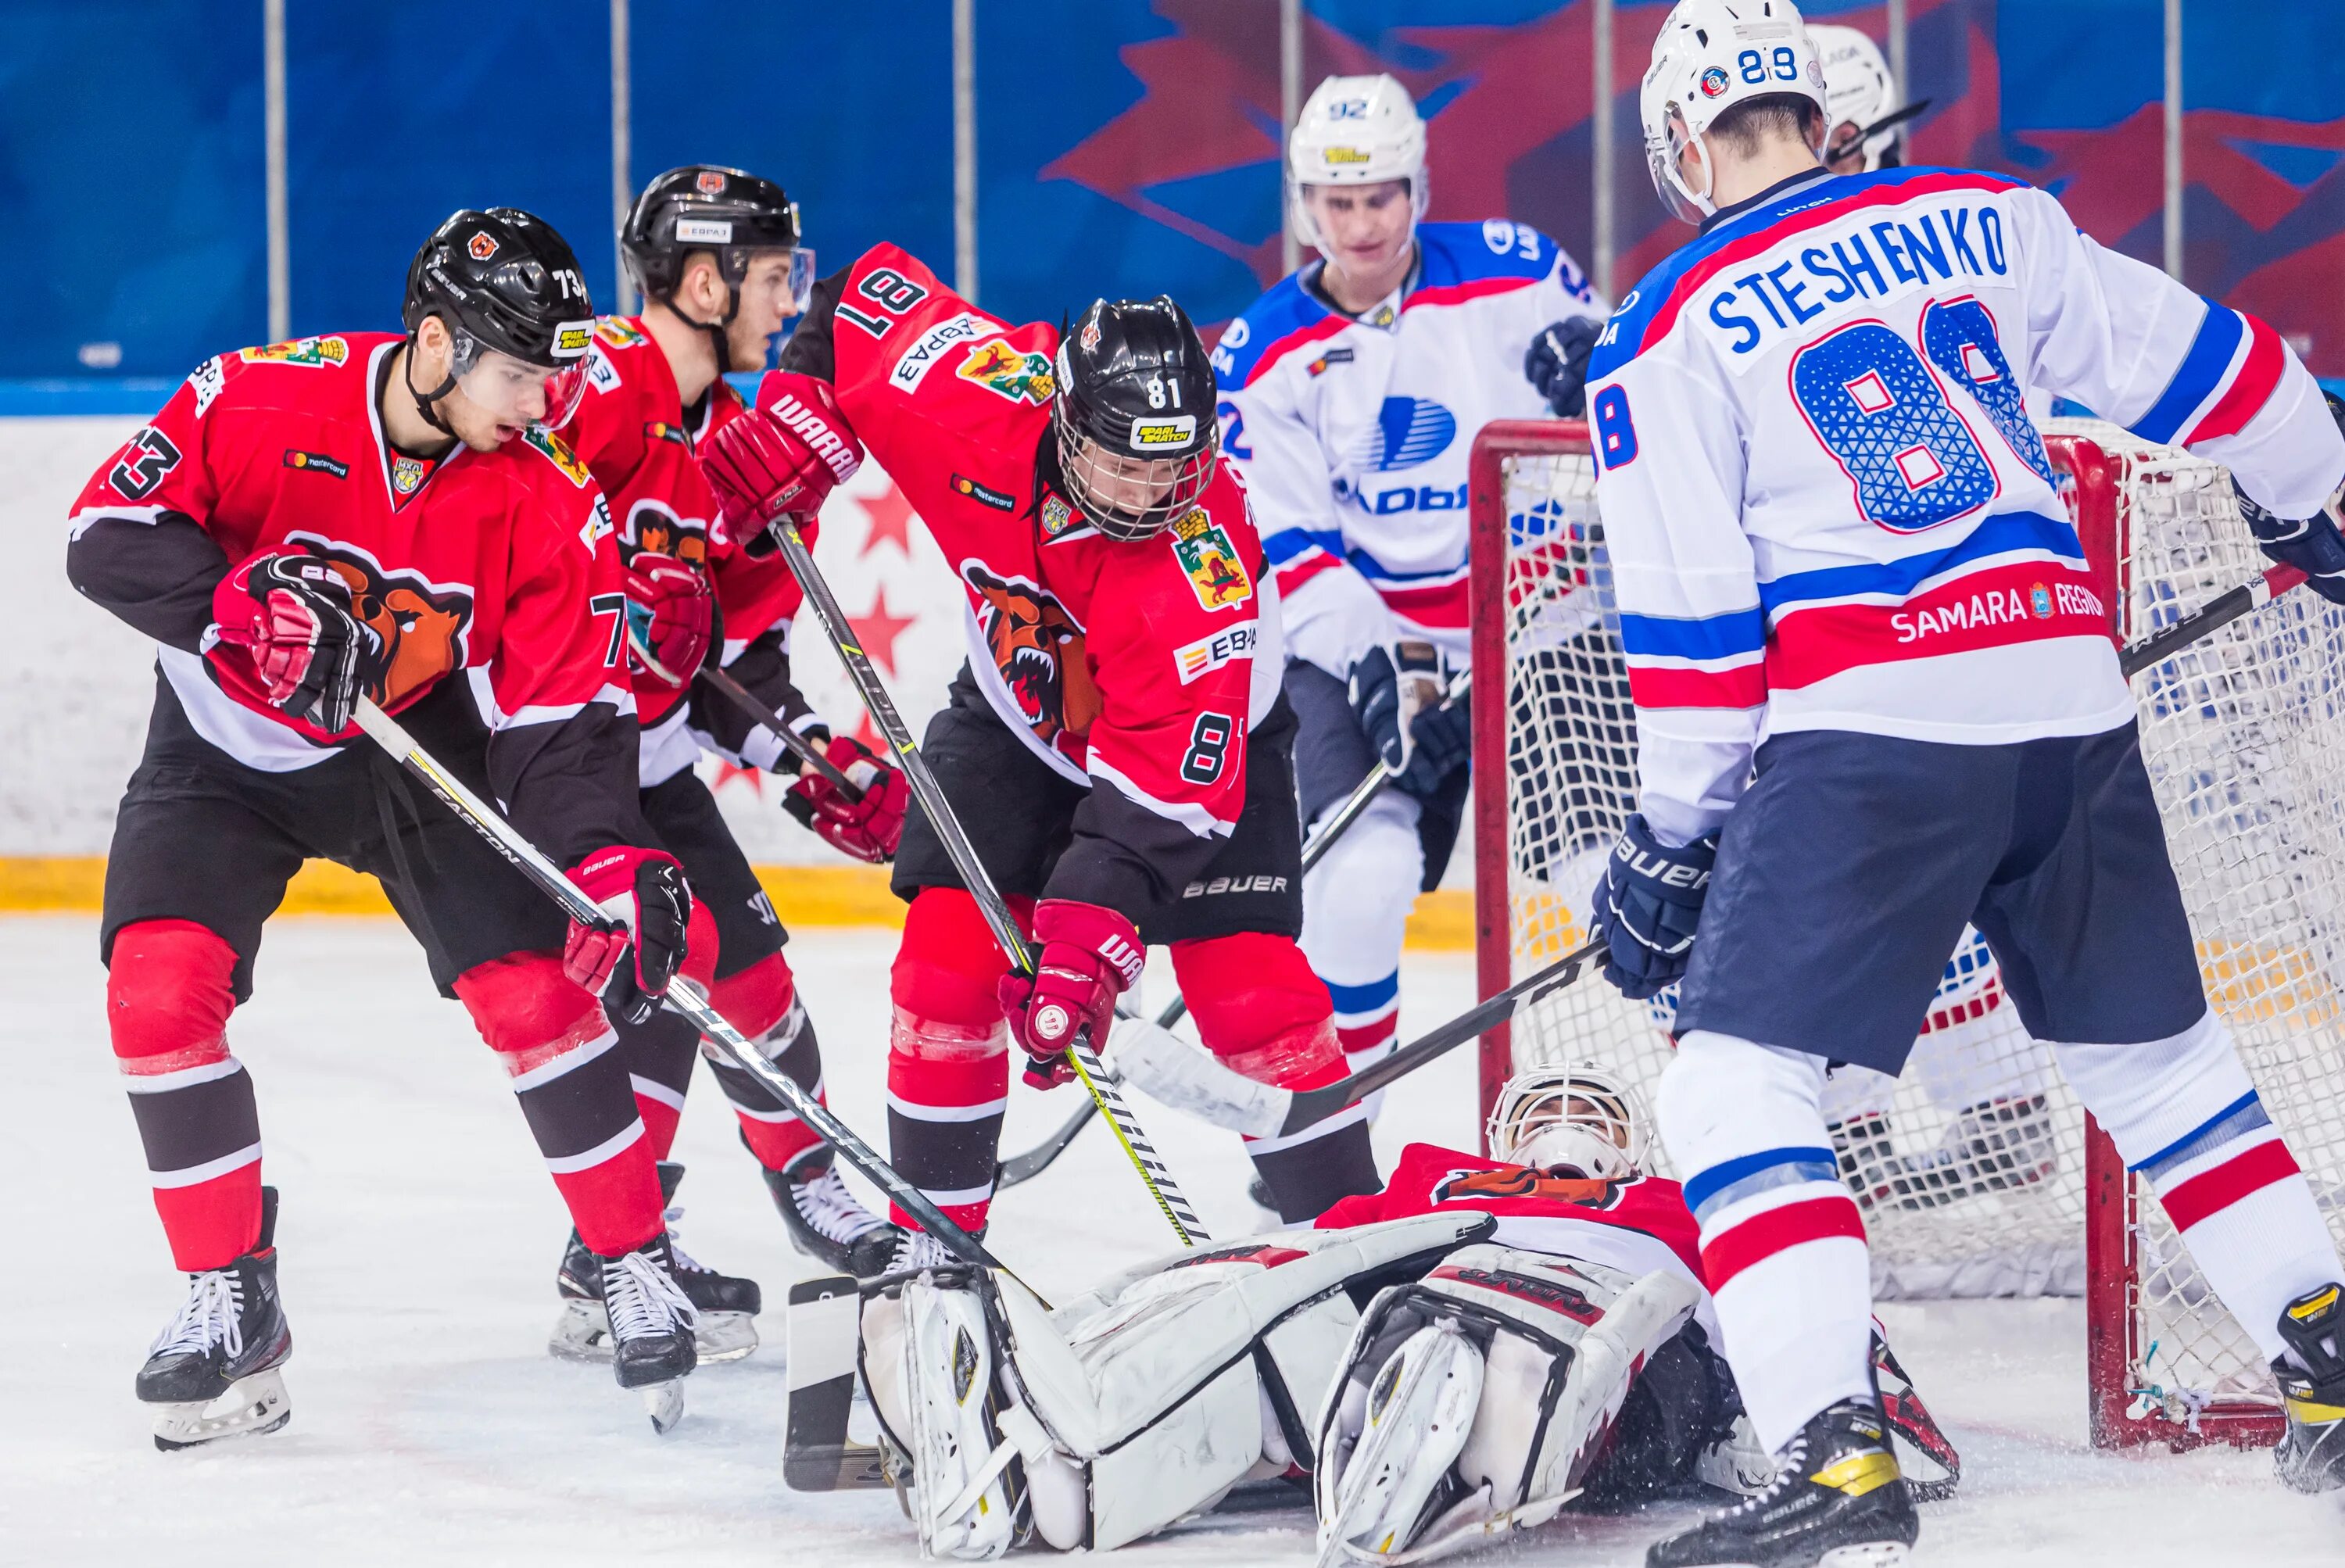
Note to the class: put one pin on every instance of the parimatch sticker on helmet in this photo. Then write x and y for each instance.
(1177, 434)
(573, 339)
(1344, 155)
(1206, 552)
(1007, 371)
(300, 352)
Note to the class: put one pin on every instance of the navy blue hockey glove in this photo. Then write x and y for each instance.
(1647, 908)
(1390, 686)
(1441, 744)
(1557, 363)
(2311, 544)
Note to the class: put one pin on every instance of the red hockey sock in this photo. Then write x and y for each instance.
(948, 1057)
(762, 1002)
(169, 993)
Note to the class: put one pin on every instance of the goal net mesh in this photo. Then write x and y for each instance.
(1972, 1169)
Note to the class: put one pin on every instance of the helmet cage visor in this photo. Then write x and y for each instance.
(1582, 1118)
(511, 391)
(1129, 496)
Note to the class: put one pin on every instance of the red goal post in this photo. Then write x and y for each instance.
(2160, 529)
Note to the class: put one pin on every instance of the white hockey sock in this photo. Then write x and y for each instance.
(1356, 908)
(2183, 1112)
(1783, 1244)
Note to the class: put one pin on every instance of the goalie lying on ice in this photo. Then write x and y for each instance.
(1460, 1355)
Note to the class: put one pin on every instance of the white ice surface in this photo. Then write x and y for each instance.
(419, 1236)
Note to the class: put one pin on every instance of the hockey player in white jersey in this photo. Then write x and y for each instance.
(1351, 395)
(1860, 95)
(1877, 697)
(1457, 1357)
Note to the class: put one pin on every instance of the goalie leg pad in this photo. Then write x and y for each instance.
(1378, 1488)
(967, 1495)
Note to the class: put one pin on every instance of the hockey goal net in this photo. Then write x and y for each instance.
(1977, 1172)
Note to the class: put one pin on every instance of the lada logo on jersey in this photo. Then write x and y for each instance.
(1039, 650)
(557, 451)
(1206, 552)
(1713, 82)
(418, 625)
(619, 333)
(1011, 372)
(300, 352)
(406, 474)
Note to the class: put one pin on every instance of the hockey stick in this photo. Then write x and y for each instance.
(682, 997)
(2213, 616)
(1036, 1160)
(1154, 1172)
(742, 698)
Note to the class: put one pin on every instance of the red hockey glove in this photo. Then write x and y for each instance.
(648, 906)
(867, 828)
(671, 614)
(1090, 954)
(784, 455)
(292, 613)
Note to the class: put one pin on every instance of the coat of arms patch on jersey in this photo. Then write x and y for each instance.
(557, 451)
(298, 351)
(1007, 371)
(1211, 560)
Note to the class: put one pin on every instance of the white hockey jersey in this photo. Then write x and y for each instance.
(1825, 503)
(1354, 433)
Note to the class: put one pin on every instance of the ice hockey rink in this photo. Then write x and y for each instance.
(418, 1235)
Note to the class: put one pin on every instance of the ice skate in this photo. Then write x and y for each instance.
(1838, 1500)
(916, 1250)
(727, 1305)
(824, 1219)
(214, 1370)
(651, 1328)
(2311, 1453)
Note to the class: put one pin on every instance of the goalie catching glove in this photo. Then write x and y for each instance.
(2311, 544)
(1647, 907)
(628, 958)
(293, 614)
(781, 457)
(1089, 956)
(867, 828)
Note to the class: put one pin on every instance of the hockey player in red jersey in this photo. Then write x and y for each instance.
(717, 255)
(1457, 1356)
(1117, 747)
(366, 515)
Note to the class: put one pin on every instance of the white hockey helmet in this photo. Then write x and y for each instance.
(1354, 130)
(1713, 54)
(1581, 1118)
(1858, 88)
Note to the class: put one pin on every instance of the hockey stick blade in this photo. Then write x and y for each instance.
(1313, 1106)
(2217, 612)
(742, 698)
(820, 1328)
(681, 996)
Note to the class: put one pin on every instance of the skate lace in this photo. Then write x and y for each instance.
(1791, 1465)
(642, 1297)
(685, 1262)
(919, 1249)
(831, 1211)
(211, 1314)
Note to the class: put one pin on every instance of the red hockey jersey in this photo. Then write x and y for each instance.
(497, 564)
(1136, 669)
(1639, 1225)
(633, 432)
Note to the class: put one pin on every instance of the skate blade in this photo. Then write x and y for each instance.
(251, 1406)
(1866, 1554)
(721, 1337)
(582, 1332)
(665, 1404)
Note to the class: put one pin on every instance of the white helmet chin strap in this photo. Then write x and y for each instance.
(1703, 200)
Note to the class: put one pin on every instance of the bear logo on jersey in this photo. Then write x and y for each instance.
(418, 624)
(1206, 552)
(1039, 650)
(1005, 371)
(652, 526)
(1517, 1181)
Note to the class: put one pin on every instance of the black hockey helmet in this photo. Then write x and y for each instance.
(1134, 416)
(505, 280)
(732, 215)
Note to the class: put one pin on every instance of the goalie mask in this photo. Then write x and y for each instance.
(509, 291)
(1713, 56)
(1584, 1120)
(1132, 416)
(1355, 131)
